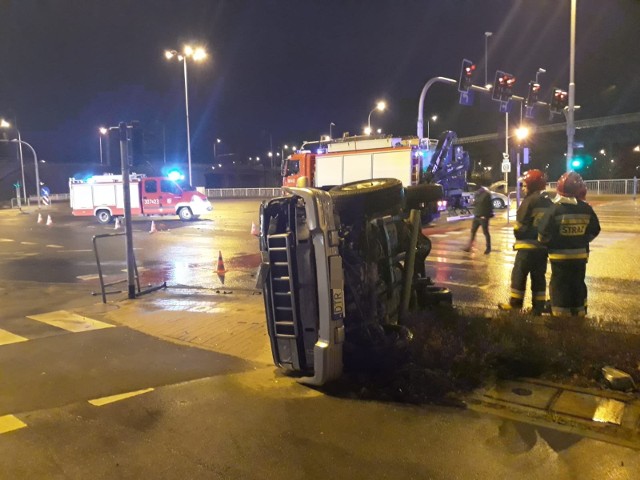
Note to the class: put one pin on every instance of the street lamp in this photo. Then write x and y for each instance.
(433, 118)
(5, 124)
(540, 70)
(102, 131)
(379, 106)
(197, 54)
(214, 149)
(486, 58)
(331, 131)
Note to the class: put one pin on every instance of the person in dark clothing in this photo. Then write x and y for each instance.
(567, 228)
(531, 256)
(482, 212)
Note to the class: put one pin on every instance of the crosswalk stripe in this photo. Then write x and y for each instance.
(7, 338)
(6, 240)
(69, 321)
(9, 423)
(98, 402)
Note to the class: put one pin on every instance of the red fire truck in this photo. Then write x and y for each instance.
(103, 196)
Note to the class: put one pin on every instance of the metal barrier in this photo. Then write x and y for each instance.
(623, 186)
(103, 285)
(264, 192)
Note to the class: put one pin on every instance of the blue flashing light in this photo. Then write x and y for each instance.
(175, 175)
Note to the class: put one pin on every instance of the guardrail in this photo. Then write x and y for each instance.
(623, 186)
(243, 192)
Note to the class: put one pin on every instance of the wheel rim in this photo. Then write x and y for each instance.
(363, 185)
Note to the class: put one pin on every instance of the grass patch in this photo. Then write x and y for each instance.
(454, 351)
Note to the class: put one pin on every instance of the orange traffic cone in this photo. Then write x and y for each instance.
(153, 227)
(221, 270)
(254, 229)
(116, 225)
(40, 219)
(49, 221)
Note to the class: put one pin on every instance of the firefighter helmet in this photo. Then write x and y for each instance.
(534, 180)
(570, 184)
(582, 194)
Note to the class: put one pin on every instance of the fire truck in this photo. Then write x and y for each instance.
(103, 196)
(413, 162)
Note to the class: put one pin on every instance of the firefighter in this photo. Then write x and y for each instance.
(482, 212)
(531, 255)
(567, 228)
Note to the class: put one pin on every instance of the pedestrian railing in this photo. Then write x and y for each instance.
(266, 192)
(627, 186)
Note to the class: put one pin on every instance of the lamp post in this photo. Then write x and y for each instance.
(102, 131)
(35, 161)
(5, 124)
(197, 54)
(379, 106)
(330, 130)
(486, 57)
(433, 118)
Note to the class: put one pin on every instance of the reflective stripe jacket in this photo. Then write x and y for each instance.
(530, 212)
(567, 228)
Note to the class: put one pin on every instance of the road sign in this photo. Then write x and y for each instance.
(505, 157)
(466, 98)
(506, 167)
(505, 107)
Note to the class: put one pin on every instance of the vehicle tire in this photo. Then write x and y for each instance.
(368, 198)
(104, 216)
(185, 214)
(423, 193)
(430, 294)
(497, 203)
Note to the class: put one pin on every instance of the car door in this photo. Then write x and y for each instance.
(170, 195)
(151, 197)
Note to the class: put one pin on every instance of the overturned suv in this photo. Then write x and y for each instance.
(341, 269)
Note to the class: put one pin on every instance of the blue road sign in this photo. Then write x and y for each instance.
(466, 98)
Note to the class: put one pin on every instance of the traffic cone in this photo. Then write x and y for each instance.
(153, 227)
(49, 221)
(254, 229)
(221, 270)
(116, 225)
(40, 219)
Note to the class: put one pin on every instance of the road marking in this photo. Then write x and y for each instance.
(7, 338)
(71, 322)
(98, 402)
(54, 246)
(28, 243)
(438, 235)
(6, 240)
(9, 423)
(93, 276)
(78, 251)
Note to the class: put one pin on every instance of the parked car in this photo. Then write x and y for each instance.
(498, 200)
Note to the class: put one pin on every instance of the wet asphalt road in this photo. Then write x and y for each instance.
(186, 254)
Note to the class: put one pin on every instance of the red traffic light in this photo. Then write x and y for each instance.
(466, 75)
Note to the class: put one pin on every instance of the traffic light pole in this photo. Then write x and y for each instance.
(571, 129)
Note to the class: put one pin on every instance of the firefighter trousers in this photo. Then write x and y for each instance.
(531, 261)
(567, 288)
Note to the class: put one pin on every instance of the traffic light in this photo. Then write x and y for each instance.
(532, 94)
(559, 100)
(466, 75)
(503, 86)
(580, 162)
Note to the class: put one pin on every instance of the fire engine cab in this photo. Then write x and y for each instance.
(103, 196)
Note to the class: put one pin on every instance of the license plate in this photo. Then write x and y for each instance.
(337, 303)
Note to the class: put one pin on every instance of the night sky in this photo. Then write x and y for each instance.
(279, 71)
